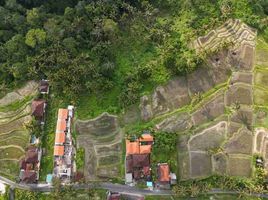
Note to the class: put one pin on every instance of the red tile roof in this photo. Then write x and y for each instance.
(163, 173)
(61, 126)
(141, 160)
(58, 150)
(62, 114)
(132, 147)
(60, 138)
(145, 149)
(146, 138)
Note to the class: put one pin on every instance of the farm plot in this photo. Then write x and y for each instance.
(15, 113)
(226, 147)
(102, 139)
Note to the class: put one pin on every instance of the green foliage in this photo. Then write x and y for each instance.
(244, 186)
(80, 158)
(15, 105)
(26, 195)
(164, 150)
(265, 34)
(93, 47)
(35, 37)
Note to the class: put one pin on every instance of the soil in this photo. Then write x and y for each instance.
(101, 138)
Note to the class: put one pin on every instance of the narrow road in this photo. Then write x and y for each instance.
(123, 189)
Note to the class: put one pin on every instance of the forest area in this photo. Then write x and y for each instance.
(109, 53)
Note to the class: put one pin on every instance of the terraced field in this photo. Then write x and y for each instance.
(15, 112)
(213, 108)
(102, 140)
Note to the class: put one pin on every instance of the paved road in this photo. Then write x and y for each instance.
(123, 189)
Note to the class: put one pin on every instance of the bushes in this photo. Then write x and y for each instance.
(241, 185)
(80, 158)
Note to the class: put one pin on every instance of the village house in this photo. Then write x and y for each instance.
(164, 176)
(39, 109)
(44, 87)
(63, 149)
(138, 159)
(30, 165)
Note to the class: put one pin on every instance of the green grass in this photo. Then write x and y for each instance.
(9, 169)
(129, 55)
(260, 96)
(15, 140)
(122, 163)
(203, 197)
(11, 153)
(15, 105)
(80, 159)
(92, 105)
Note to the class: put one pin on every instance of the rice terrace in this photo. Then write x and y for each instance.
(15, 113)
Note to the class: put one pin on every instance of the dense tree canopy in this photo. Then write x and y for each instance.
(76, 44)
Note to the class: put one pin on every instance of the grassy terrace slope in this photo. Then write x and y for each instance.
(14, 113)
(212, 108)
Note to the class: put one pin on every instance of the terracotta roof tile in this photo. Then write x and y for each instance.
(132, 147)
(63, 114)
(163, 173)
(61, 126)
(60, 138)
(58, 150)
(146, 138)
(145, 149)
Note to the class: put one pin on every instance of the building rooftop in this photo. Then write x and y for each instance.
(44, 87)
(145, 149)
(38, 108)
(28, 176)
(63, 114)
(49, 178)
(163, 172)
(58, 150)
(61, 126)
(146, 137)
(60, 138)
(132, 147)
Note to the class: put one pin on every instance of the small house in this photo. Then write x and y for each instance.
(39, 109)
(163, 175)
(44, 87)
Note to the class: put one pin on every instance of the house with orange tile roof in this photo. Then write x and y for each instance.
(61, 126)
(132, 147)
(63, 114)
(165, 178)
(60, 138)
(138, 158)
(59, 150)
(63, 149)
